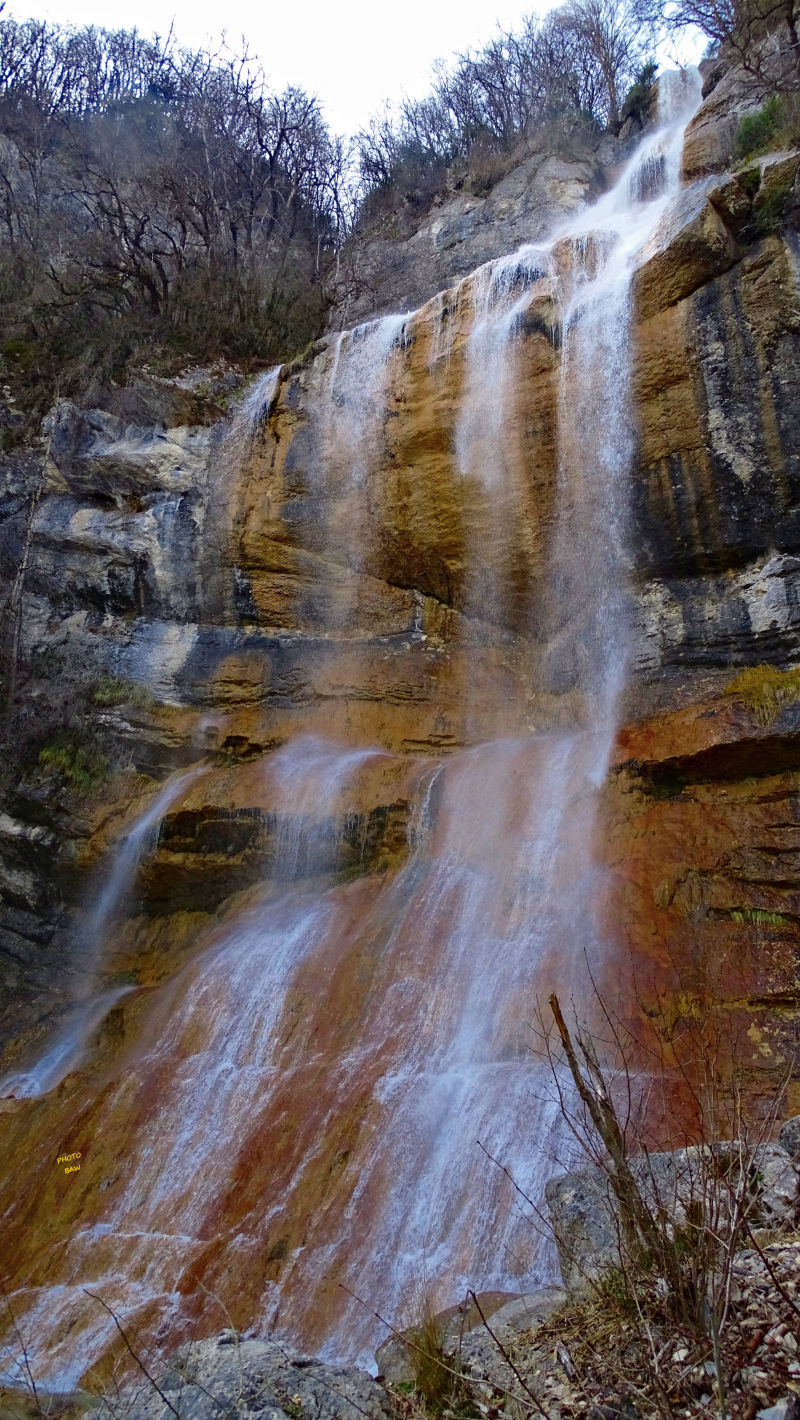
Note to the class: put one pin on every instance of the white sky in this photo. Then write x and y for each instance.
(353, 54)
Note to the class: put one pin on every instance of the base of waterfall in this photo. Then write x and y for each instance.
(596, 1348)
(229, 1374)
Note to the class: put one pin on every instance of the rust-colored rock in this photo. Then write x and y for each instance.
(358, 580)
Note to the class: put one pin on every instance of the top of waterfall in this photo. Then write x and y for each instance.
(679, 92)
(651, 172)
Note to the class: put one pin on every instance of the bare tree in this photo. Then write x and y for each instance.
(619, 36)
(759, 35)
(153, 193)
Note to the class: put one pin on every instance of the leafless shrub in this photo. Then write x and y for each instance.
(678, 1220)
(157, 199)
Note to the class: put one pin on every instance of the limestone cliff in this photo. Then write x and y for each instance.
(321, 569)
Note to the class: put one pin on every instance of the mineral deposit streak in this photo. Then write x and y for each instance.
(503, 881)
(323, 1073)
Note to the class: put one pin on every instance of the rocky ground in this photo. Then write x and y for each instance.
(609, 1348)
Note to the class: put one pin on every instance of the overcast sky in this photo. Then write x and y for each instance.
(353, 54)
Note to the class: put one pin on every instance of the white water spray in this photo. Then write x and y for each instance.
(252, 409)
(357, 394)
(492, 904)
(71, 1041)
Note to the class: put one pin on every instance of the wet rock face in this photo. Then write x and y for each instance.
(318, 575)
(701, 826)
(329, 569)
(119, 534)
(719, 440)
(341, 572)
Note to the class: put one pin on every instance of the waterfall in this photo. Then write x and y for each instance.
(591, 555)
(348, 422)
(505, 888)
(68, 1047)
(215, 1061)
(312, 1091)
(252, 410)
(354, 410)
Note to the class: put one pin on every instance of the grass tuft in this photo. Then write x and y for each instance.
(79, 762)
(431, 1365)
(764, 690)
(109, 692)
(760, 918)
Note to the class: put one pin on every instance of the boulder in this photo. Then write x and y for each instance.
(789, 1137)
(585, 1218)
(701, 248)
(470, 1340)
(250, 1377)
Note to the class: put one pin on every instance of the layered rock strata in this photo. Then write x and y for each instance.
(287, 580)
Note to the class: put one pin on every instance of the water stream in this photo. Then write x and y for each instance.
(71, 1040)
(316, 1100)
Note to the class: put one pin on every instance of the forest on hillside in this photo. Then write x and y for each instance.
(159, 203)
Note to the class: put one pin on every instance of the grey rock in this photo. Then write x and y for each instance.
(750, 613)
(787, 1409)
(585, 1218)
(402, 271)
(481, 1356)
(789, 1137)
(250, 1377)
(466, 1337)
(96, 453)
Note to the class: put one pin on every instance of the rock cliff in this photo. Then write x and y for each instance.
(215, 592)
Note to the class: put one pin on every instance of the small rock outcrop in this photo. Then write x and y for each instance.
(405, 259)
(681, 1186)
(249, 1377)
(789, 1137)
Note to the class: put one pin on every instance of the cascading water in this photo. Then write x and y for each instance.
(309, 1105)
(357, 391)
(71, 1040)
(253, 408)
(591, 556)
(508, 881)
(348, 418)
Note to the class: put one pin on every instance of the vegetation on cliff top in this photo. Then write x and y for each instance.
(158, 202)
(155, 203)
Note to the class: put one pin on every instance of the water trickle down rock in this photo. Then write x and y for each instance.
(325, 1068)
